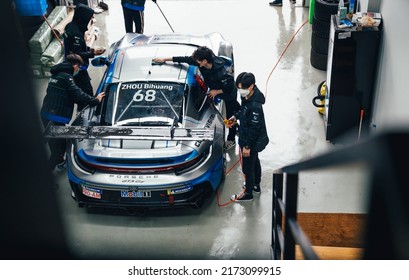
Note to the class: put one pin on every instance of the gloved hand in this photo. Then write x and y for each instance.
(154, 1)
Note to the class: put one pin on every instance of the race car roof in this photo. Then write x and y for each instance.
(134, 63)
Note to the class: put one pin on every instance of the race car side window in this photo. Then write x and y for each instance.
(107, 112)
(197, 102)
(100, 108)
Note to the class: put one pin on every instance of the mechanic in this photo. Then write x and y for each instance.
(219, 81)
(74, 42)
(253, 136)
(134, 14)
(58, 104)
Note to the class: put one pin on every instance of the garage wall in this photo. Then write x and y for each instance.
(320, 190)
(391, 89)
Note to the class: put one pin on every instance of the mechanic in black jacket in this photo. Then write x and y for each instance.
(253, 136)
(58, 103)
(74, 42)
(217, 79)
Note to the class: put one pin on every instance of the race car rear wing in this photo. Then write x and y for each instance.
(128, 133)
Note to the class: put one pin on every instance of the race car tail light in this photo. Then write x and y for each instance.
(178, 168)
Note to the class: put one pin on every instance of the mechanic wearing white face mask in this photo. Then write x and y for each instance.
(253, 136)
(58, 103)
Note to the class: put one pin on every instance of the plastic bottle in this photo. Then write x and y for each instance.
(351, 6)
(342, 11)
(311, 11)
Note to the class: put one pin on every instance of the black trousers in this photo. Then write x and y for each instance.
(57, 147)
(132, 17)
(252, 170)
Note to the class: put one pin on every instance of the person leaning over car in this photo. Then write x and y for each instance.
(58, 104)
(253, 136)
(215, 76)
(74, 42)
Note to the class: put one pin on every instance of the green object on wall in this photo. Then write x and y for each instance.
(312, 6)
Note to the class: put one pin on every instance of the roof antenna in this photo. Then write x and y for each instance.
(164, 16)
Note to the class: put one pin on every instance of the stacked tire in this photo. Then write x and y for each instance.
(323, 9)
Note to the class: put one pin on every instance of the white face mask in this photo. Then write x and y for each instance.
(244, 92)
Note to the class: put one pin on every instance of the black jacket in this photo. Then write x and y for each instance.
(215, 78)
(252, 128)
(62, 93)
(74, 40)
(139, 3)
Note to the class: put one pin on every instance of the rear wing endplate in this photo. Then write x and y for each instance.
(128, 133)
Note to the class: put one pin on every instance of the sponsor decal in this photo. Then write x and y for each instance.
(91, 192)
(147, 86)
(181, 190)
(133, 179)
(136, 194)
(207, 125)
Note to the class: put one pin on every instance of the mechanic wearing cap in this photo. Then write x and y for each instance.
(74, 42)
(58, 103)
(253, 136)
(216, 77)
(134, 14)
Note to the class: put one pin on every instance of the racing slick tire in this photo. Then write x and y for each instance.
(318, 60)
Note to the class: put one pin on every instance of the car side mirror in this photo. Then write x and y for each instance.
(100, 61)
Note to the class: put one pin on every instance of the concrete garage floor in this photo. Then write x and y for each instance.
(259, 34)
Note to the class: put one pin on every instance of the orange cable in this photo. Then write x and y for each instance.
(231, 168)
(282, 54)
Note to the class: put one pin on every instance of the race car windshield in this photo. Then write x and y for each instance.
(144, 103)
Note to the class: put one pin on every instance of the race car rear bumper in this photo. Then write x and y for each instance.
(185, 196)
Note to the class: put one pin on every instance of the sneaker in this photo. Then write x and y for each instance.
(61, 166)
(243, 197)
(229, 144)
(256, 189)
(276, 3)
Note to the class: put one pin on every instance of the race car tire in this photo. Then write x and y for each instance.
(318, 60)
(319, 44)
(320, 28)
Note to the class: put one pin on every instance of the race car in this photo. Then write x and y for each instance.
(156, 139)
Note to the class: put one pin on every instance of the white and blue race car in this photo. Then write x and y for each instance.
(156, 140)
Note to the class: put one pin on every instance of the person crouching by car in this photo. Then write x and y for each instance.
(253, 136)
(58, 104)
